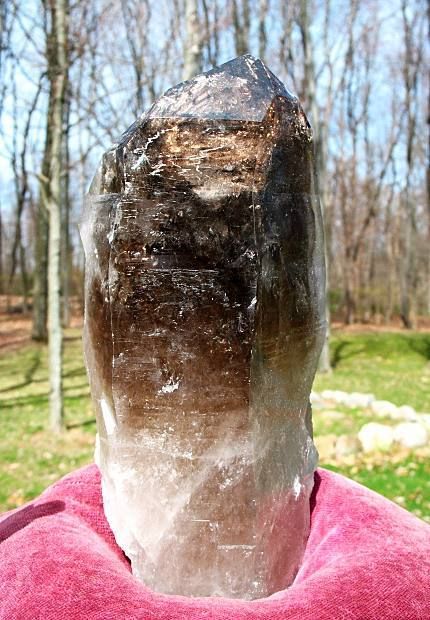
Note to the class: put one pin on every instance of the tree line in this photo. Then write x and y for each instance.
(74, 75)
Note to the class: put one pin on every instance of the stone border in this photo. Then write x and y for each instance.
(412, 430)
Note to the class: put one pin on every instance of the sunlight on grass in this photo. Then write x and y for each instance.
(392, 366)
(32, 457)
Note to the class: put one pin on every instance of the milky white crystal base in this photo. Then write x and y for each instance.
(149, 506)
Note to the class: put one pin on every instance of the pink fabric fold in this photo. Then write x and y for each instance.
(366, 559)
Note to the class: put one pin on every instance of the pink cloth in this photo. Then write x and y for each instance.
(366, 559)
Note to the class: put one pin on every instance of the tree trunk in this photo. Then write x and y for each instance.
(58, 77)
(65, 220)
(24, 277)
(320, 145)
(350, 307)
(40, 283)
(262, 34)
(409, 267)
(412, 61)
(428, 171)
(193, 42)
(1, 255)
(241, 24)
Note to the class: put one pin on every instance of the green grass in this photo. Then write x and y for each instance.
(31, 456)
(404, 479)
(393, 366)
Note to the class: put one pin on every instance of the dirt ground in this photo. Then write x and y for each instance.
(395, 325)
(15, 327)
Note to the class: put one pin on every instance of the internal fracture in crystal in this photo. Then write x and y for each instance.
(204, 324)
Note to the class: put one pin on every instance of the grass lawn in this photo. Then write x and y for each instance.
(31, 456)
(393, 366)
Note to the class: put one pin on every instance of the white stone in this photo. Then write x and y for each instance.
(359, 400)
(374, 436)
(353, 400)
(336, 396)
(384, 409)
(407, 413)
(411, 434)
(316, 400)
(424, 419)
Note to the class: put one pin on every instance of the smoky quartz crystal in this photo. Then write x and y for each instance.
(204, 324)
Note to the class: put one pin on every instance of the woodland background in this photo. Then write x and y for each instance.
(75, 75)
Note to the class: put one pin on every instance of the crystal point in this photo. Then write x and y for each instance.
(204, 324)
(241, 89)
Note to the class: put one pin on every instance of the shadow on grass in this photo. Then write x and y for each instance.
(82, 386)
(28, 375)
(77, 372)
(34, 401)
(420, 345)
(40, 400)
(72, 338)
(28, 378)
(81, 424)
(339, 355)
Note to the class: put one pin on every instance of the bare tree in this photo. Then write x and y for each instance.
(6, 25)
(58, 66)
(263, 9)
(411, 73)
(212, 30)
(1, 253)
(428, 163)
(123, 53)
(65, 215)
(308, 95)
(20, 170)
(41, 225)
(242, 24)
(136, 15)
(40, 278)
(193, 41)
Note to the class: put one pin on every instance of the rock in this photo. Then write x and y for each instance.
(354, 400)
(411, 434)
(405, 412)
(347, 445)
(316, 400)
(357, 400)
(205, 319)
(384, 409)
(376, 437)
(424, 419)
(335, 396)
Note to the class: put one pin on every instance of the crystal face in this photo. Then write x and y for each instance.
(204, 323)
